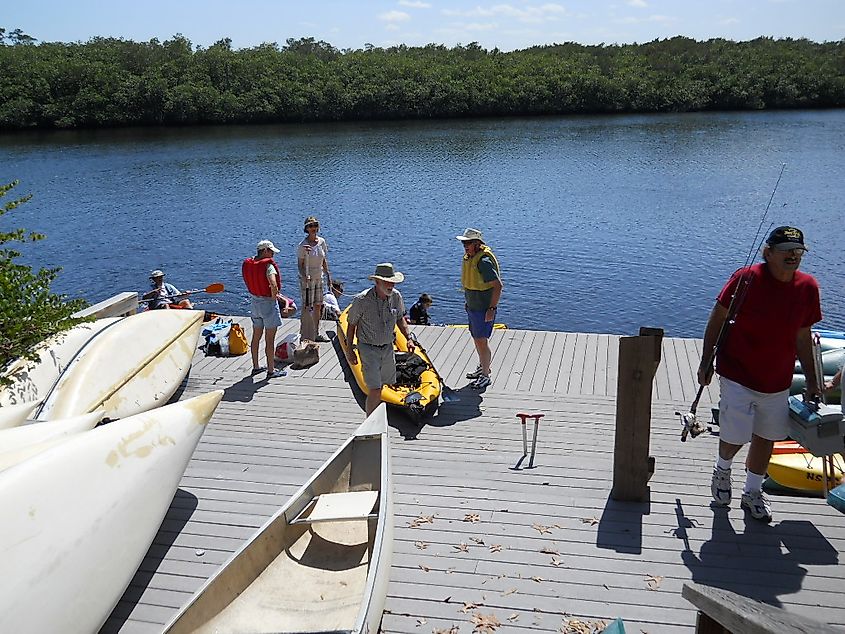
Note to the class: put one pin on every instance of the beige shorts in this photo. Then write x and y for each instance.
(743, 412)
(377, 364)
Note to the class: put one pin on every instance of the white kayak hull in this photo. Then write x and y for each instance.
(14, 415)
(32, 379)
(78, 519)
(321, 563)
(134, 366)
(18, 443)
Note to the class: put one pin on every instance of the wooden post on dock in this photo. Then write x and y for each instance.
(632, 466)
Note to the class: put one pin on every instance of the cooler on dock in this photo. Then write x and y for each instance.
(820, 428)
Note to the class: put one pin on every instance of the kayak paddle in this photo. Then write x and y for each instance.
(217, 287)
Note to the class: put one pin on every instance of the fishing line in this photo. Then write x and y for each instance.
(691, 426)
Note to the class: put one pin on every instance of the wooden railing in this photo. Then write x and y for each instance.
(120, 305)
(724, 612)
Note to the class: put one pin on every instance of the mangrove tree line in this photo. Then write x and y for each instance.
(115, 82)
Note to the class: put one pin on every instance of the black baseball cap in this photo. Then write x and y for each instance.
(786, 238)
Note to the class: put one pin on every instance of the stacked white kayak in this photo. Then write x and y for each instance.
(132, 366)
(78, 518)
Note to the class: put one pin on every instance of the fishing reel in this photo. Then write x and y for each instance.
(691, 426)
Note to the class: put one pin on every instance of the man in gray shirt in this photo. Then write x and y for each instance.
(373, 316)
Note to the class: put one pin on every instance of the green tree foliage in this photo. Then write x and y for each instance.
(115, 82)
(29, 312)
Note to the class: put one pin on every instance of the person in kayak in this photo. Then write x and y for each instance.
(312, 260)
(482, 291)
(263, 281)
(769, 308)
(164, 295)
(419, 311)
(373, 315)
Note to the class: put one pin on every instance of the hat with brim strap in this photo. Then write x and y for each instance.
(386, 273)
(470, 234)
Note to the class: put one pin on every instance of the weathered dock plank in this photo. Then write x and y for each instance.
(536, 547)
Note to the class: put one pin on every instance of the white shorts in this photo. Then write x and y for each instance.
(743, 412)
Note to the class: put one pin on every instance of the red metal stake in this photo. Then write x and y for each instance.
(523, 417)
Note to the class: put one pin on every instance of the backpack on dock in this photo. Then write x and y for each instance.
(409, 369)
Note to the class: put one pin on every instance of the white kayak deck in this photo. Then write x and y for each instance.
(534, 547)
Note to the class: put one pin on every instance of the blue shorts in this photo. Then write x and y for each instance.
(265, 312)
(478, 328)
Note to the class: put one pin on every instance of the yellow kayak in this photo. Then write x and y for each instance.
(418, 400)
(803, 471)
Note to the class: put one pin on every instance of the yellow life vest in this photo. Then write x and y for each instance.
(471, 278)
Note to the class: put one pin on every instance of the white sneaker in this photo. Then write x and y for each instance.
(720, 486)
(481, 382)
(475, 374)
(758, 505)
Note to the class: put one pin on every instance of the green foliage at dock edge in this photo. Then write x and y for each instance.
(115, 82)
(29, 312)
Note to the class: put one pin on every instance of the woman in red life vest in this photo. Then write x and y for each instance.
(263, 280)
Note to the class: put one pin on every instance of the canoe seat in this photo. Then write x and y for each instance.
(339, 507)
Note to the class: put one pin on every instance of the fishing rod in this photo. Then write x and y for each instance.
(691, 425)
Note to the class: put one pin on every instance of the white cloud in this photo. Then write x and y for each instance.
(481, 26)
(414, 4)
(528, 14)
(639, 4)
(394, 16)
(660, 19)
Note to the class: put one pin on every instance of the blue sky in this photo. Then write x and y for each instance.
(507, 24)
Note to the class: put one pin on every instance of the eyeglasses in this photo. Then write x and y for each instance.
(312, 226)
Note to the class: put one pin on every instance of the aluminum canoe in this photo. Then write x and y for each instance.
(321, 563)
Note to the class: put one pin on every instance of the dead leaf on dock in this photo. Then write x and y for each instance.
(422, 519)
(513, 618)
(549, 551)
(449, 571)
(507, 592)
(653, 581)
(424, 568)
(495, 548)
(485, 623)
(421, 621)
(541, 529)
(477, 540)
(556, 561)
(421, 545)
(538, 579)
(461, 548)
(592, 521)
(452, 630)
(469, 606)
(472, 517)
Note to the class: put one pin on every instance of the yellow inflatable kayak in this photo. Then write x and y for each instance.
(419, 398)
(803, 471)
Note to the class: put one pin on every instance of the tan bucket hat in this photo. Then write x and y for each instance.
(471, 234)
(386, 273)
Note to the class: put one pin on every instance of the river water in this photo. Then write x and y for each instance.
(601, 224)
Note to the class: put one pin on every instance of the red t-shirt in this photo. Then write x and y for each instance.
(759, 348)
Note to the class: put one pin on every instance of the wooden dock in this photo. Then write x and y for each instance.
(536, 548)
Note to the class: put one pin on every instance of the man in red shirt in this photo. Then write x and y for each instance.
(772, 306)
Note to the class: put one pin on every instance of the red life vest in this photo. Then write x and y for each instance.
(254, 273)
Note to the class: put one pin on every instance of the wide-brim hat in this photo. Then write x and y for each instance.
(470, 234)
(156, 273)
(386, 273)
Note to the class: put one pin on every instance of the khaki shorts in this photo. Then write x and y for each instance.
(378, 365)
(743, 412)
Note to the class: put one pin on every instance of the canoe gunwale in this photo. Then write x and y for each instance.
(380, 529)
